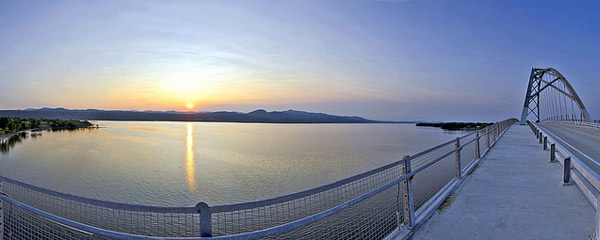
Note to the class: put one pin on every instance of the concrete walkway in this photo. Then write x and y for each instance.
(514, 194)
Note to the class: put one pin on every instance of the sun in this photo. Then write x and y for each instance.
(190, 105)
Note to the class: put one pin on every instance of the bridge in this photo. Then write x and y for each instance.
(536, 179)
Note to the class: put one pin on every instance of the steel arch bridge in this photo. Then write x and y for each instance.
(550, 97)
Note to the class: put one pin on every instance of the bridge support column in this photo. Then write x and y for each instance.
(457, 158)
(409, 208)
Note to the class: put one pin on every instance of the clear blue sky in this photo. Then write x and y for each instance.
(389, 60)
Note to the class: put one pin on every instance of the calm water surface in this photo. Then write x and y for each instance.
(181, 164)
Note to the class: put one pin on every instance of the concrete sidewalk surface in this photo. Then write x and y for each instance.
(514, 194)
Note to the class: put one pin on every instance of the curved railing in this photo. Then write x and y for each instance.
(374, 204)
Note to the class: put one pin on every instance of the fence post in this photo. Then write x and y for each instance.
(597, 219)
(477, 144)
(546, 143)
(540, 138)
(488, 137)
(205, 219)
(567, 172)
(552, 152)
(1, 214)
(409, 208)
(457, 157)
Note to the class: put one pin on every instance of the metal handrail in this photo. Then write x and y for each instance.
(588, 174)
(80, 226)
(260, 203)
(108, 204)
(500, 127)
(581, 123)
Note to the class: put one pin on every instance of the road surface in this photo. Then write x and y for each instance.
(581, 141)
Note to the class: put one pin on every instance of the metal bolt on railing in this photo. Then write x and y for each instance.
(567, 172)
(552, 153)
(409, 208)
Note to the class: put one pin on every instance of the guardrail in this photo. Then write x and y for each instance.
(383, 202)
(574, 170)
(594, 124)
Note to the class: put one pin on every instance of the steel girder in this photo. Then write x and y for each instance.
(534, 88)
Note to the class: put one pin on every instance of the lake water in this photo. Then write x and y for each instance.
(181, 164)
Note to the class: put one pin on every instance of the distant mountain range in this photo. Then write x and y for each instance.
(289, 116)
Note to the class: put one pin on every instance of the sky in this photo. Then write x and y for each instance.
(384, 60)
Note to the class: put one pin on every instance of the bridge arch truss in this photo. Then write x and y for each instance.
(550, 97)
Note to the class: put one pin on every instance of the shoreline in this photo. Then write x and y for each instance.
(7, 136)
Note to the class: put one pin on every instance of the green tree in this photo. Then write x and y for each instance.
(3, 122)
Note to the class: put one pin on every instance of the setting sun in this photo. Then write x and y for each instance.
(190, 105)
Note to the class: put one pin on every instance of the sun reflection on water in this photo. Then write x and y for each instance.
(189, 157)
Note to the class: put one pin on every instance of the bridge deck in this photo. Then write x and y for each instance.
(514, 194)
(581, 141)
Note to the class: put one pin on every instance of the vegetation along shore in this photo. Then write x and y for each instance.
(12, 125)
(456, 126)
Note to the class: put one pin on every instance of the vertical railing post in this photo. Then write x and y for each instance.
(540, 138)
(546, 143)
(457, 158)
(553, 152)
(497, 131)
(567, 172)
(1, 213)
(409, 208)
(487, 137)
(205, 219)
(597, 218)
(477, 144)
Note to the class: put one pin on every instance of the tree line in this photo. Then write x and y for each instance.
(15, 124)
(456, 125)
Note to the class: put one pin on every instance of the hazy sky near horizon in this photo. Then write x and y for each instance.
(387, 60)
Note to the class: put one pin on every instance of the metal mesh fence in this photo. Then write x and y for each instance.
(124, 218)
(375, 216)
(265, 215)
(21, 224)
(468, 153)
(432, 179)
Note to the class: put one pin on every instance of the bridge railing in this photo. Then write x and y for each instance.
(574, 170)
(375, 204)
(581, 123)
